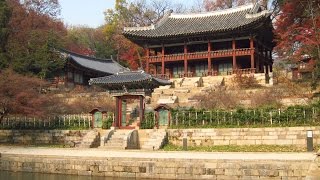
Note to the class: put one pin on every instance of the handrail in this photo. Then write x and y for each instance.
(179, 56)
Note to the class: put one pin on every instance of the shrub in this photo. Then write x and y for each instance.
(218, 97)
(245, 81)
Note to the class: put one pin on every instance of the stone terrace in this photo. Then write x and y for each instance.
(162, 165)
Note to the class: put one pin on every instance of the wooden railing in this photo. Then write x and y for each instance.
(174, 57)
(222, 53)
(155, 58)
(197, 55)
(202, 55)
(209, 73)
(245, 51)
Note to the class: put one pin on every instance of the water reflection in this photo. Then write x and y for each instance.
(6, 175)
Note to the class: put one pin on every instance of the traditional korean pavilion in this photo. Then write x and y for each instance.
(129, 85)
(214, 43)
(79, 68)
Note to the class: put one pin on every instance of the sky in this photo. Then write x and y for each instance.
(84, 12)
(89, 12)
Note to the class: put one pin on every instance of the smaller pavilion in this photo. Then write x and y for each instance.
(129, 85)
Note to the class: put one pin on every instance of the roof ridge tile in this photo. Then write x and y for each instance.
(213, 13)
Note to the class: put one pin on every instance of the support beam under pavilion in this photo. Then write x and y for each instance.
(234, 60)
(162, 61)
(209, 56)
(147, 57)
(252, 52)
(185, 60)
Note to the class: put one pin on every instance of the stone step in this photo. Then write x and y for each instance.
(116, 141)
(113, 147)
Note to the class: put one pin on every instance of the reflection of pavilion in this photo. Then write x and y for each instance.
(129, 85)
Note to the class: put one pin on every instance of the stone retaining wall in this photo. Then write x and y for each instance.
(158, 167)
(244, 136)
(41, 136)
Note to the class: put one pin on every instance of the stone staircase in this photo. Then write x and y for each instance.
(191, 82)
(156, 139)
(184, 90)
(118, 140)
(90, 140)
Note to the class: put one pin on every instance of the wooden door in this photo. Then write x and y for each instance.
(163, 117)
(124, 114)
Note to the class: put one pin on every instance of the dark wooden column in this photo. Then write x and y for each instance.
(162, 61)
(267, 68)
(266, 57)
(147, 59)
(234, 60)
(209, 56)
(66, 74)
(117, 113)
(141, 112)
(156, 69)
(185, 60)
(258, 59)
(252, 52)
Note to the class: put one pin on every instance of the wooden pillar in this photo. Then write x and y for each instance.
(66, 74)
(266, 57)
(252, 52)
(258, 59)
(147, 59)
(267, 68)
(185, 60)
(156, 70)
(141, 112)
(234, 60)
(270, 58)
(162, 61)
(118, 113)
(209, 56)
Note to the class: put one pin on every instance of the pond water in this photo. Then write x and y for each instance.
(6, 175)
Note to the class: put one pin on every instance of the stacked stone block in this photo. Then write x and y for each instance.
(295, 136)
(160, 168)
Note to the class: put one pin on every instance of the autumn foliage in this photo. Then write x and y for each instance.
(22, 95)
(297, 29)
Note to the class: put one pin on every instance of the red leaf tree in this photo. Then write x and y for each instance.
(22, 95)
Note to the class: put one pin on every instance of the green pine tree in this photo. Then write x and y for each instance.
(5, 14)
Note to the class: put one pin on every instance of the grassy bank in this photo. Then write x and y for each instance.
(234, 148)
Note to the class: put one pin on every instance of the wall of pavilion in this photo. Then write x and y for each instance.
(237, 40)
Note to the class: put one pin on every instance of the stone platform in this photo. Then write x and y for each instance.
(160, 165)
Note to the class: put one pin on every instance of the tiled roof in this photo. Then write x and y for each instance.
(108, 66)
(130, 77)
(242, 17)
